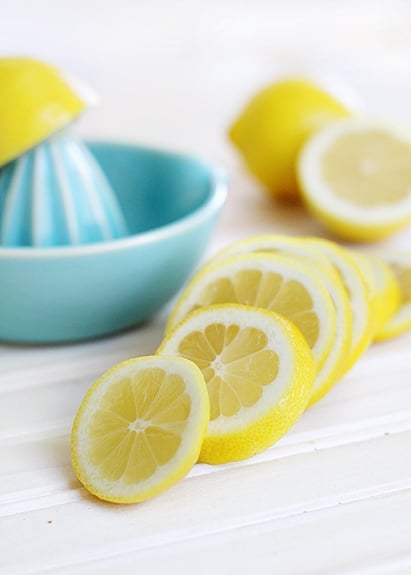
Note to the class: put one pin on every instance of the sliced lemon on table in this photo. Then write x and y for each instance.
(275, 243)
(400, 322)
(359, 295)
(140, 428)
(383, 287)
(355, 176)
(259, 372)
(36, 100)
(334, 365)
(275, 123)
(271, 281)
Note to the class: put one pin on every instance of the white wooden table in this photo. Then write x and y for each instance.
(334, 495)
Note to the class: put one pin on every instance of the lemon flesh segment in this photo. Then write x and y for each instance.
(335, 364)
(259, 372)
(400, 322)
(36, 101)
(359, 295)
(270, 281)
(140, 428)
(355, 176)
(273, 126)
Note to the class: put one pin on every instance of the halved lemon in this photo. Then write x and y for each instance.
(359, 295)
(140, 428)
(400, 263)
(259, 372)
(274, 124)
(36, 100)
(334, 365)
(271, 281)
(355, 176)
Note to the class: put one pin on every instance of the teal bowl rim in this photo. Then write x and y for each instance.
(216, 200)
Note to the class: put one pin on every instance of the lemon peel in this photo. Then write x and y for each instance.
(273, 126)
(36, 101)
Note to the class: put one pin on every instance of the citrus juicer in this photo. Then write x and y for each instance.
(56, 194)
(52, 191)
(66, 274)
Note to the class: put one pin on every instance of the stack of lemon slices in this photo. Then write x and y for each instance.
(271, 323)
(260, 333)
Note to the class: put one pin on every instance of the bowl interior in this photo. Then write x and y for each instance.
(154, 188)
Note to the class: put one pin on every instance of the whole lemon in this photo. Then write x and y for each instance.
(273, 126)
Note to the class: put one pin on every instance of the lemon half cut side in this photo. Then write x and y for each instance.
(355, 176)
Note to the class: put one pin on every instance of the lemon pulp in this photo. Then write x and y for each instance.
(368, 169)
(259, 373)
(129, 440)
(268, 290)
(140, 428)
(236, 365)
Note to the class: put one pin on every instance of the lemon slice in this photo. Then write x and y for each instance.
(278, 243)
(383, 287)
(359, 294)
(400, 264)
(259, 372)
(271, 281)
(139, 428)
(36, 101)
(334, 365)
(275, 123)
(355, 176)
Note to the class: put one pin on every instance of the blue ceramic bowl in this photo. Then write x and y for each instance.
(171, 203)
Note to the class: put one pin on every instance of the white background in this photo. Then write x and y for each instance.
(175, 72)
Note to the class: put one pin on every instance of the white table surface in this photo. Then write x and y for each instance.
(334, 495)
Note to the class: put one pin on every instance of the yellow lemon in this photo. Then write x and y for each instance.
(400, 264)
(275, 282)
(355, 176)
(335, 364)
(259, 372)
(36, 100)
(140, 428)
(359, 295)
(273, 126)
(383, 287)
